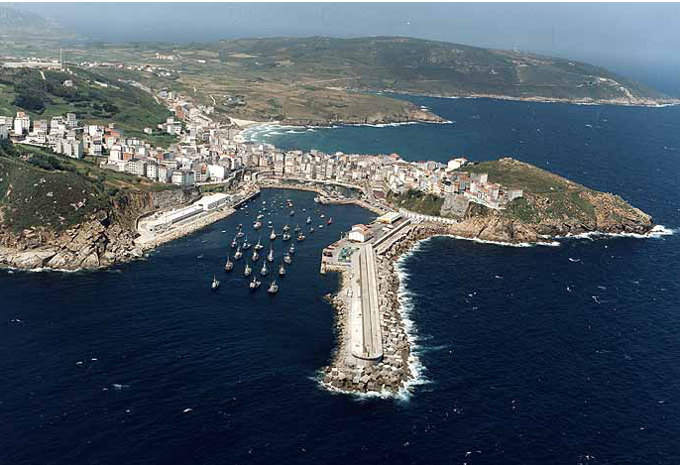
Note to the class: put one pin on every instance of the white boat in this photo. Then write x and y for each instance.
(273, 288)
(272, 236)
(256, 256)
(291, 251)
(330, 221)
(309, 220)
(286, 228)
(311, 230)
(297, 228)
(287, 259)
(238, 254)
(301, 237)
(257, 225)
(322, 216)
(246, 244)
(233, 243)
(254, 284)
(264, 271)
(248, 270)
(292, 212)
(229, 265)
(270, 257)
(215, 284)
(259, 245)
(282, 270)
(285, 236)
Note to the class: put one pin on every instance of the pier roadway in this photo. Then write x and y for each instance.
(364, 318)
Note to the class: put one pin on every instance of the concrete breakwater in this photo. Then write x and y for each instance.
(392, 374)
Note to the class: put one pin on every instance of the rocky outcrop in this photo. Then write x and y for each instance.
(107, 238)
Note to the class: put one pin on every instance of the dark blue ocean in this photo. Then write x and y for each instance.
(534, 355)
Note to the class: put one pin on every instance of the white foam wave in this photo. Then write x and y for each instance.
(656, 232)
(505, 244)
(406, 306)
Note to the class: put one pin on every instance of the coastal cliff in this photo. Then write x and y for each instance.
(104, 238)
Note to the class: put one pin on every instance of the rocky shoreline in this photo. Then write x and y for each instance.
(397, 371)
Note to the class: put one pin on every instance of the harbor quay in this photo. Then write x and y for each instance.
(373, 353)
(165, 226)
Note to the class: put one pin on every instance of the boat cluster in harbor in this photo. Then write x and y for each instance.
(242, 249)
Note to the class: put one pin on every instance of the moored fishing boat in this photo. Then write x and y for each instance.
(248, 270)
(287, 259)
(256, 256)
(254, 284)
(270, 257)
(282, 270)
(264, 271)
(272, 236)
(291, 250)
(259, 245)
(229, 265)
(215, 284)
(273, 288)
(238, 254)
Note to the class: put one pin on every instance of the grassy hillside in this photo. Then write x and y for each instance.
(421, 66)
(39, 189)
(547, 196)
(93, 97)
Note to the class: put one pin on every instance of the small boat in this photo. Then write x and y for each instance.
(309, 220)
(273, 288)
(246, 244)
(270, 222)
(285, 236)
(286, 228)
(322, 216)
(272, 236)
(292, 212)
(238, 254)
(229, 265)
(287, 259)
(264, 271)
(257, 225)
(330, 221)
(282, 270)
(233, 243)
(215, 284)
(316, 199)
(311, 230)
(256, 256)
(289, 203)
(270, 257)
(291, 251)
(247, 271)
(259, 245)
(260, 216)
(199, 256)
(297, 228)
(240, 234)
(301, 237)
(254, 284)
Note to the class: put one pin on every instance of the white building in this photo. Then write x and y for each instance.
(360, 233)
(183, 178)
(22, 123)
(217, 172)
(210, 202)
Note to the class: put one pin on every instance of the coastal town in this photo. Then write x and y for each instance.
(219, 170)
(212, 153)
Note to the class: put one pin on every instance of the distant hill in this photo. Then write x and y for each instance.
(407, 65)
(13, 18)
